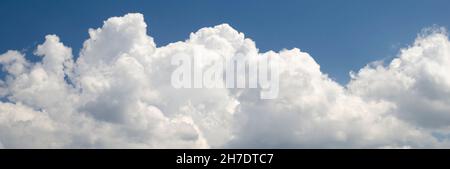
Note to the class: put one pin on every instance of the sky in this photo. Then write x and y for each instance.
(115, 74)
(341, 35)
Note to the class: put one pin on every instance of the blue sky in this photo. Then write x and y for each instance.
(340, 35)
(113, 98)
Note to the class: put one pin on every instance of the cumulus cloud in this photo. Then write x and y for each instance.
(417, 81)
(117, 93)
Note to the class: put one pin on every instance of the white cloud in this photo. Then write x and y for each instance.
(314, 111)
(417, 81)
(117, 93)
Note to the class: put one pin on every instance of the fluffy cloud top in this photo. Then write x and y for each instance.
(117, 94)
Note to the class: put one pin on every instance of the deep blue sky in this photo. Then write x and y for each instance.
(341, 35)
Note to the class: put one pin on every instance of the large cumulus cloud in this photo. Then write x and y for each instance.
(117, 94)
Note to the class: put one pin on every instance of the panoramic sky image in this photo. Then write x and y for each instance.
(224, 74)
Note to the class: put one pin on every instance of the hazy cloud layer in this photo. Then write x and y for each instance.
(117, 94)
